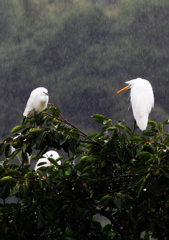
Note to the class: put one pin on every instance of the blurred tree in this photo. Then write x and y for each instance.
(10, 16)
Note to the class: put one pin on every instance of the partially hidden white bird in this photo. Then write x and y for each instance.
(37, 102)
(142, 100)
(50, 154)
(27, 159)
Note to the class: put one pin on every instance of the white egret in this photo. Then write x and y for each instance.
(142, 100)
(37, 102)
(19, 155)
(50, 154)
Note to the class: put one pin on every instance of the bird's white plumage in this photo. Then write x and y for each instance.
(142, 100)
(37, 102)
(50, 154)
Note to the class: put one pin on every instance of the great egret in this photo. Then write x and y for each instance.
(50, 154)
(142, 100)
(22, 160)
(37, 102)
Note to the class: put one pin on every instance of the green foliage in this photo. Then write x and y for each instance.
(118, 174)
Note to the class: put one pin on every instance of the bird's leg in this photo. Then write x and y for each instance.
(133, 118)
(21, 165)
(134, 126)
(36, 119)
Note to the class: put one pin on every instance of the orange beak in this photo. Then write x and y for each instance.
(125, 88)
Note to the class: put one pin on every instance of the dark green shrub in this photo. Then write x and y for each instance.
(118, 175)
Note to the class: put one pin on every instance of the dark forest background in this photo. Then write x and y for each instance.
(82, 51)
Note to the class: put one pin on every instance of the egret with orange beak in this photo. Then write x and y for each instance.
(142, 100)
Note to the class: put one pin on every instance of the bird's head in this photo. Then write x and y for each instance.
(45, 92)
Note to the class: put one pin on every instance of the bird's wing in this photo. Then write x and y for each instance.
(142, 103)
(29, 110)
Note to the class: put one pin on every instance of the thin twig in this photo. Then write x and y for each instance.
(84, 135)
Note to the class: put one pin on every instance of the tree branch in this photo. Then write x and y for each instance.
(70, 124)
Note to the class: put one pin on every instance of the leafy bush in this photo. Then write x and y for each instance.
(118, 174)
(81, 51)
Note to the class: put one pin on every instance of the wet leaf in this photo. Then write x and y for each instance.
(160, 127)
(17, 128)
(35, 130)
(7, 179)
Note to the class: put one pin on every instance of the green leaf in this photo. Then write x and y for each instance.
(4, 189)
(137, 182)
(86, 169)
(150, 160)
(143, 183)
(144, 155)
(107, 228)
(2, 147)
(97, 225)
(157, 138)
(35, 130)
(14, 172)
(107, 122)
(73, 144)
(106, 199)
(7, 179)
(146, 235)
(84, 158)
(100, 118)
(120, 126)
(15, 190)
(166, 122)
(137, 139)
(62, 139)
(141, 187)
(118, 203)
(26, 120)
(91, 135)
(152, 123)
(111, 128)
(55, 162)
(15, 153)
(160, 127)
(17, 128)
(55, 111)
(7, 150)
